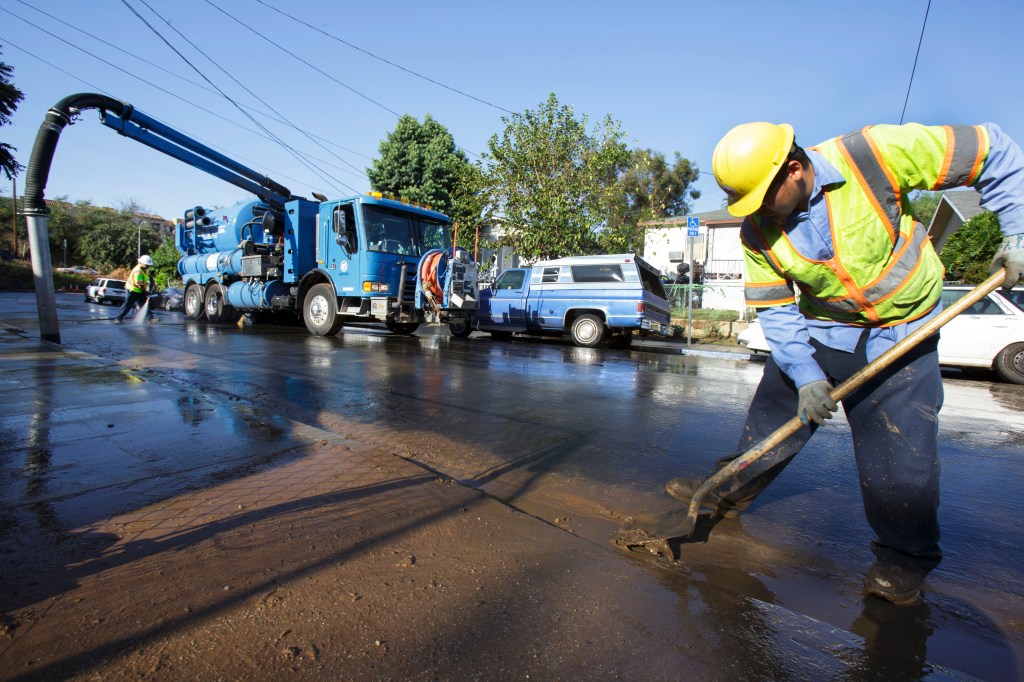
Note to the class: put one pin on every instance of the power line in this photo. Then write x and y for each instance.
(98, 88)
(281, 142)
(172, 73)
(920, 40)
(187, 100)
(389, 63)
(312, 66)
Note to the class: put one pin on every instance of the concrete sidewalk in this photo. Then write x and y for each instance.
(152, 531)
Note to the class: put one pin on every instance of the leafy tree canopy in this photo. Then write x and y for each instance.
(420, 163)
(9, 98)
(116, 238)
(969, 251)
(550, 179)
(648, 188)
(924, 204)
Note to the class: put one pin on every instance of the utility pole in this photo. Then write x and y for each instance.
(14, 219)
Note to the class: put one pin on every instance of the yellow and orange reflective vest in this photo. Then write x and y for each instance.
(884, 270)
(138, 280)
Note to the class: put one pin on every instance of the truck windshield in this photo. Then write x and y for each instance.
(401, 233)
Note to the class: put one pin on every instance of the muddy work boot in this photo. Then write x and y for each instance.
(683, 489)
(894, 583)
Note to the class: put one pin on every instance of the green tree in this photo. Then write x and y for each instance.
(165, 264)
(471, 207)
(114, 238)
(969, 251)
(924, 204)
(648, 188)
(550, 179)
(420, 163)
(9, 98)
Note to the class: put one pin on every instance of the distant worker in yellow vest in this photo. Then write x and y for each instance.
(139, 287)
(834, 222)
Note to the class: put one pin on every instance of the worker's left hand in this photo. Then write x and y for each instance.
(1010, 257)
(815, 403)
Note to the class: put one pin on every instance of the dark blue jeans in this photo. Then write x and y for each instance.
(894, 421)
(135, 299)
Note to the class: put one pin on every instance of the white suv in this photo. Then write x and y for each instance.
(989, 334)
(104, 290)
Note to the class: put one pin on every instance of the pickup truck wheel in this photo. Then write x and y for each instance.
(1009, 364)
(320, 311)
(622, 339)
(405, 328)
(460, 328)
(587, 331)
(194, 305)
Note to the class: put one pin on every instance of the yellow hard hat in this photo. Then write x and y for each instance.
(746, 161)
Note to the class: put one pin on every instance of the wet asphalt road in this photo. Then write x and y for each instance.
(585, 437)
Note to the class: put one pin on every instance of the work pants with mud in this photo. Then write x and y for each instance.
(134, 299)
(894, 422)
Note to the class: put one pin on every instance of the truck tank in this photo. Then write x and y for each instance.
(211, 240)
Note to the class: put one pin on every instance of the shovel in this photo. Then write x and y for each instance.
(657, 541)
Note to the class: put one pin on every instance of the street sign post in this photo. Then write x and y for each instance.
(692, 230)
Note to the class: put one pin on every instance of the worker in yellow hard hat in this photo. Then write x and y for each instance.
(139, 286)
(839, 271)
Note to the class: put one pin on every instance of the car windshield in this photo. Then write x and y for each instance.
(401, 233)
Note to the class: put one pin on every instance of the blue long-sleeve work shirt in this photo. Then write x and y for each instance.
(788, 332)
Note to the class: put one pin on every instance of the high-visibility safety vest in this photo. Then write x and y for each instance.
(138, 281)
(884, 270)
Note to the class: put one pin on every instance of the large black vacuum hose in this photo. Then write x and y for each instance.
(57, 118)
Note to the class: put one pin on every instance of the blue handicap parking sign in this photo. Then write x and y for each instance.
(692, 222)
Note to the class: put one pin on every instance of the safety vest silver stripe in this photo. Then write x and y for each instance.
(901, 269)
(839, 305)
(897, 274)
(884, 196)
(965, 145)
(767, 294)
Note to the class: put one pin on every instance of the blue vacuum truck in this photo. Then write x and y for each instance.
(366, 258)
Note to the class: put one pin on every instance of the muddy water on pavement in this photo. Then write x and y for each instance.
(584, 438)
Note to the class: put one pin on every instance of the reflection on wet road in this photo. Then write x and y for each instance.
(585, 437)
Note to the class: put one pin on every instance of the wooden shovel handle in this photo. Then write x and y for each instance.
(844, 389)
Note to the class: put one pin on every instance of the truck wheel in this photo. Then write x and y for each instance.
(194, 305)
(622, 339)
(320, 311)
(1009, 364)
(217, 310)
(405, 328)
(461, 328)
(587, 331)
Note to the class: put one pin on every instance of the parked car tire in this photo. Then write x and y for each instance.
(1009, 364)
(587, 331)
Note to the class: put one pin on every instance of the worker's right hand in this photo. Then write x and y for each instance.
(1010, 257)
(815, 404)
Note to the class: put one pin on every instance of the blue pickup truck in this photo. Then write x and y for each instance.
(590, 298)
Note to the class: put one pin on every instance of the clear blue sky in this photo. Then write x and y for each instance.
(677, 75)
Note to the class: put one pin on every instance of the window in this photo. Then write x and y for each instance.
(550, 274)
(402, 233)
(983, 307)
(606, 272)
(511, 279)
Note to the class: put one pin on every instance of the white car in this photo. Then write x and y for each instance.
(989, 334)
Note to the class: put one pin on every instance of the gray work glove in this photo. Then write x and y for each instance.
(1010, 257)
(815, 403)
